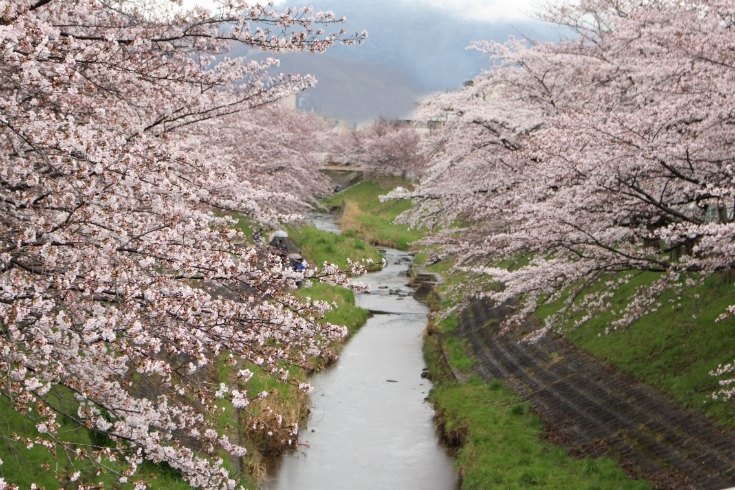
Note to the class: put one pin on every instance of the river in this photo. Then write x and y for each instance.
(370, 427)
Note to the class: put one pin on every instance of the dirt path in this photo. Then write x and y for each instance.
(594, 410)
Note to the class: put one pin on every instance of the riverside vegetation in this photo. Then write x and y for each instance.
(317, 247)
(364, 216)
(497, 439)
(285, 399)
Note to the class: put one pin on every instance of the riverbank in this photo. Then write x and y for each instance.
(551, 415)
(499, 440)
(597, 388)
(363, 215)
(287, 400)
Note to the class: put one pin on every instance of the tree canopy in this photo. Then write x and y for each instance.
(585, 161)
(127, 138)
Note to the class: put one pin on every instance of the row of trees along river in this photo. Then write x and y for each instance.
(136, 317)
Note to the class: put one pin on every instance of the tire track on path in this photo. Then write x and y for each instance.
(596, 411)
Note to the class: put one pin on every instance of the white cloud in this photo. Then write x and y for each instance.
(488, 10)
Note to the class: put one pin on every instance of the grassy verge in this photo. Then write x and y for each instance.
(23, 466)
(499, 442)
(346, 312)
(502, 444)
(368, 218)
(672, 348)
(321, 246)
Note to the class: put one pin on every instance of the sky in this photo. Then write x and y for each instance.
(484, 10)
(414, 47)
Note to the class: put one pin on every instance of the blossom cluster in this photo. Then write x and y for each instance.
(127, 139)
(384, 147)
(599, 156)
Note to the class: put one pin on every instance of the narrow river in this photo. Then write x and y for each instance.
(370, 427)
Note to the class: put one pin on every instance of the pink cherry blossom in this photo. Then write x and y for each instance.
(593, 158)
(125, 145)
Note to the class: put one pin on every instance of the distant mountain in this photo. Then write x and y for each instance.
(427, 43)
(410, 51)
(355, 90)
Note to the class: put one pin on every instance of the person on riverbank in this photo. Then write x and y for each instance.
(258, 238)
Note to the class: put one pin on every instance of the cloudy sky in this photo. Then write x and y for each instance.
(414, 47)
(486, 10)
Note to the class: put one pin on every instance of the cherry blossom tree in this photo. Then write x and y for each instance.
(114, 219)
(593, 158)
(275, 148)
(385, 147)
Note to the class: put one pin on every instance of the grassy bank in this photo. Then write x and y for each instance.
(500, 443)
(285, 399)
(366, 217)
(321, 246)
(672, 348)
(23, 466)
(346, 313)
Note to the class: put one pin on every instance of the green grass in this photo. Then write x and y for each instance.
(673, 348)
(500, 442)
(366, 195)
(448, 324)
(456, 285)
(421, 258)
(503, 446)
(457, 355)
(365, 216)
(322, 246)
(346, 313)
(23, 466)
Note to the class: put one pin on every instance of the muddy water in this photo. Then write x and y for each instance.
(370, 427)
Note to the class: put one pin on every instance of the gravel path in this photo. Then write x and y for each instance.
(594, 410)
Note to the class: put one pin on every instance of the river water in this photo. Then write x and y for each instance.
(370, 427)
